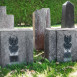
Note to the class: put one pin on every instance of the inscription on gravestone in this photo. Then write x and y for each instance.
(13, 41)
(67, 48)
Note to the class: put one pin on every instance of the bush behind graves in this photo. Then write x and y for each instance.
(23, 9)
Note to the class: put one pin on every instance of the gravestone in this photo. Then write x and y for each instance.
(16, 46)
(41, 20)
(66, 45)
(6, 21)
(67, 15)
(50, 44)
(61, 44)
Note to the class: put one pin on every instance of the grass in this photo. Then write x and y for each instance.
(53, 26)
(58, 25)
(41, 67)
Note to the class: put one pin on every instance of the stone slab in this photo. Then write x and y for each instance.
(41, 20)
(66, 45)
(16, 46)
(2, 10)
(7, 21)
(50, 44)
(67, 15)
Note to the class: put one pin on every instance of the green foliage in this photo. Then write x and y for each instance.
(23, 9)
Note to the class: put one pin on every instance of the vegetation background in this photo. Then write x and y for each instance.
(23, 9)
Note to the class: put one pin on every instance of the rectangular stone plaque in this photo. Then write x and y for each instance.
(13, 58)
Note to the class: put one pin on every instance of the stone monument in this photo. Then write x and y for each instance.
(67, 15)
(61, 44)
(41, 20)
(16, 45)
(6, 21)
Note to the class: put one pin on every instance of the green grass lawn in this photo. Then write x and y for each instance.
(41, 67)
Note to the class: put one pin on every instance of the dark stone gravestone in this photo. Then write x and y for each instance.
(41, 20)
(67, 15)
(16, 45)
(61, 44)
(50, 44)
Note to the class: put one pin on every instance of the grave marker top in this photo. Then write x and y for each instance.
(67, 15)
(6, 21)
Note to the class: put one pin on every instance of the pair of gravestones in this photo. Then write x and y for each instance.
(58, 44)
(16, 45)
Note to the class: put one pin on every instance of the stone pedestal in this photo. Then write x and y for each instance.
(67, 15)
(41, 20)
(16, 46)
(50, 44)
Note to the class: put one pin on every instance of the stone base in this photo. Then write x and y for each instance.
(16, 46)
(61, 44)
(50, 44)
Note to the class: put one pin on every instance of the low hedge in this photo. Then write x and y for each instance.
(23, 9)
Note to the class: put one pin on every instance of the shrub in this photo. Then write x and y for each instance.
(23, 9)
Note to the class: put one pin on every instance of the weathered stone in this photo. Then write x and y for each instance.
(67, 15)
(66, 45)
(50, 44)
(6, 21)
(41, 20)
(2, 10)
(16, 46)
